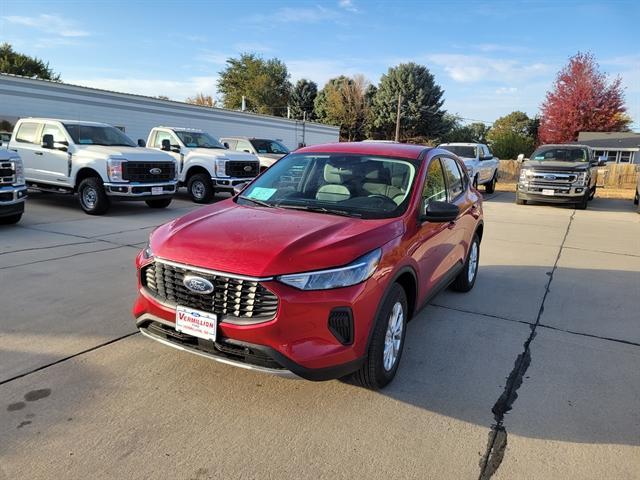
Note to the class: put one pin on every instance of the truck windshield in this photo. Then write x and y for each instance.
(198, 140)
(98, 135)
(461, 150)
(335, 184)
(561, 154)
(269, 146)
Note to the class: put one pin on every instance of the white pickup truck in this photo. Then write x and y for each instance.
(205, 166)
(267, 151)
(480, 162)
(94, 160)
(13, 190)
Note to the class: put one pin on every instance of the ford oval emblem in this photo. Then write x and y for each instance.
(248, 168)
(155, 171)
(198, 284)
(549, 177)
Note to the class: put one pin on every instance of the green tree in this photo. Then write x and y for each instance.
(421, 113)
(302, 97)
(343, 102)
(202, 100)
(24, 65)
(474, 132)
(513, 134)
(264, 84)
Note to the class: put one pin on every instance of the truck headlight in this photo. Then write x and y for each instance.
(356, 272)
(524, 174)
(114, 169)
(19, 172)
(581, 179)
(221, 167)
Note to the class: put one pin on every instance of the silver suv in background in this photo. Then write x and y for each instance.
(95, 160)
(268, 151)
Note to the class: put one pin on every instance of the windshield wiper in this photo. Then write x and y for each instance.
(257, 202)
(331, 211)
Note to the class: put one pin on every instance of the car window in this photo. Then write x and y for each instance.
(486, 152)
(50, 129)
(160, 136)
(27, 132)
(269, 146)
(455, 184)
(232, 143)
(435, 188)
(243, 145)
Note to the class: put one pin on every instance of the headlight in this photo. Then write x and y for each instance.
(147, 253)
(114, 169)
(524, 173)
(356, 272)
(221, 165)
(581, 179)
(19, 172)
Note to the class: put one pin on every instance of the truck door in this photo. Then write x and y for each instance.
(26, 143)
(55, 162)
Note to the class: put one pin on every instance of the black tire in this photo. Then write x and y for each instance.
(593, 193)
(11, 219)
(160, 203)
(582, 204)
(200, 188)
(520, 201)
(636, 199)
(465, 281)
(92, 196)
(373, 374)
(491, 186)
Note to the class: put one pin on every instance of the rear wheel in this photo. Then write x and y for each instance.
(160, 203)
(387, 341)
(466, 279)
(491, 186)
(200, 188)
(11, 219)
(92, 196)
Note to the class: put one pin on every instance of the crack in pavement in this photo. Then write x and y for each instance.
(33, 249)
(497, 442)
(77, 254)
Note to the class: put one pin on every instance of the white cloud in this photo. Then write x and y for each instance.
(174, 89)
(347, 5)
(252, 47)
(315, 14)
(51, 24)
(506, 90)
(215, 58)
(322, 70)
(478, 68)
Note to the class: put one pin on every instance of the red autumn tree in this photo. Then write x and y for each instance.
(582, 100)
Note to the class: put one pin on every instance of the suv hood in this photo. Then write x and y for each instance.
(215, 153)
(262, 242)
(555, 166)
(127, 153)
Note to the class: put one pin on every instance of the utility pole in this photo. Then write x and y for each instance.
(244, 103)
(288, 111)
(398, 118)
(304, 121)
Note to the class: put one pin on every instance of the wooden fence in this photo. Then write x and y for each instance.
(611, 176)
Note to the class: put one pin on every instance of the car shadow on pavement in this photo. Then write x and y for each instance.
(597, 204)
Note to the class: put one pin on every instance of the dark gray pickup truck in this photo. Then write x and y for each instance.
(559, 174)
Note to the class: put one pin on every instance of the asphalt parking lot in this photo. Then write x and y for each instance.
(534, 374)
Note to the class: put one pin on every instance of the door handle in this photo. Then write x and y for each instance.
(451, 224)
(37, 153)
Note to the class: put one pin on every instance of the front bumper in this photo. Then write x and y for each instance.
(229, 183)
(297, 341)
(140, 191)
(12, 200)
(561, 193)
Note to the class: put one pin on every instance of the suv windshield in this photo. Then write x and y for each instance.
(350, 185)
(461, 150)
(269, 146)
(98, 135)
(561, 154)
(198, 140)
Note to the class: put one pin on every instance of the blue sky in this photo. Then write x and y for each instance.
(490, 57)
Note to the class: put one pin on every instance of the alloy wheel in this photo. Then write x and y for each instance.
(393, 337)
(473, 262)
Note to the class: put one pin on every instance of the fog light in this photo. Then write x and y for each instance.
(579, 190)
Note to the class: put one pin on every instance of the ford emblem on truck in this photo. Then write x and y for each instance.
(198, 284)
(155, 171)
(248, 168)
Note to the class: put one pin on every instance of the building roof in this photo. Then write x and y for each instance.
(610, 140)
(582, 136)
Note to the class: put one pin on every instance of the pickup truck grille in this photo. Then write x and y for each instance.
(7, 173)
(141, 171)
(553, 178)
(232, 298)
(245, 169)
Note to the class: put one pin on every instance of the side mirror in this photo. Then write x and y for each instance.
(166, 145)
(247, 151)
(602, 161)
(439, 212)
(238, 188)
(142, 143)
(226, 145)
(47, 141)
(521, 158)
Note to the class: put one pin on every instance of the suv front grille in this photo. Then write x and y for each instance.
(7, 173)
(234, 299)
(245, 169)
(141, 171)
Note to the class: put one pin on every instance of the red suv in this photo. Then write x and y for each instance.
(314, 269)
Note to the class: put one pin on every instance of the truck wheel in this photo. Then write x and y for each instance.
(200, 188)
(491, 186)
(387, 341)
(593, 193)
(160, 203)
(520, 201)
(11, 219)
(636, 199)
(93, 198)
(466, 279)
(582, 204)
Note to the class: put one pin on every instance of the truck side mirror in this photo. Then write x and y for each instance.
(521, 158)
(166, 145)
(602, 161)
(226, 145)
(142, 143)
(47, 141)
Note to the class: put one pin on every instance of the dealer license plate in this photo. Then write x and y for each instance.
(196, 323)
(548, 192)
(157, 190)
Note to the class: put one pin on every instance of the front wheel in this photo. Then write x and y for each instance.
(466, 279)
(92, 196)
(200, 188)
(11, 219)
(582, 204)
(387, 341)
(160, 203)
(491, 186)
(593, 193)
(520, 201)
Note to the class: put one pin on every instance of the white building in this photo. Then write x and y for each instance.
(136, 114)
